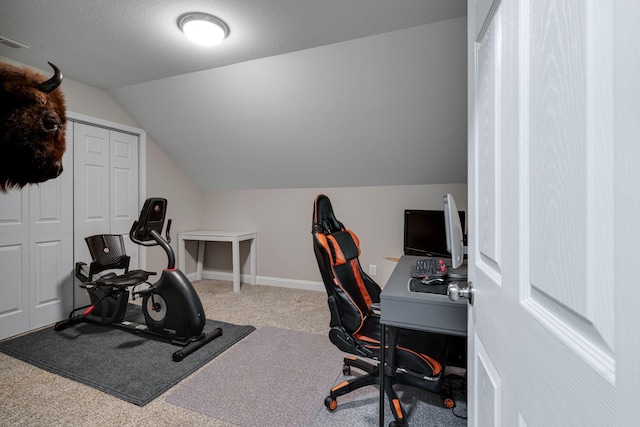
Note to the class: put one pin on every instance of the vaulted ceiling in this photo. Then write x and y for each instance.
(303, 93)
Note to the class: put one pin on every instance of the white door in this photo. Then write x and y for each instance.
(51, 247)
(91, 185)
(105, 189)
(14, 262)
(36, 244)
(124, 188)
(553, 199)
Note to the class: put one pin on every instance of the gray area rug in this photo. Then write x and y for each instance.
(131, 367)
(274, 377)
(277, 377)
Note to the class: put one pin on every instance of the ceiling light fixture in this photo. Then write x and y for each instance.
(203, 29)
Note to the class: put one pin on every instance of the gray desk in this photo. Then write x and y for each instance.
(401, 308)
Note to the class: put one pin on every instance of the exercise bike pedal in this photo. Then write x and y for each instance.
(143, 292)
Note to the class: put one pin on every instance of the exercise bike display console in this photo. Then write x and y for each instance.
(171, 307)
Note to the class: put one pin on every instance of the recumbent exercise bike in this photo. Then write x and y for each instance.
(171, 307)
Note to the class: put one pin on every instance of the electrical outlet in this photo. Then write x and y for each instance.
(372, 269)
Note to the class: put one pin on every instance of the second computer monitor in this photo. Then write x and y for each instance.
(454, 231)
(424, 232)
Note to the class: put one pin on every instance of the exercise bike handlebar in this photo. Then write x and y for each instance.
(157, 241)
(134, 239)
(171, 264)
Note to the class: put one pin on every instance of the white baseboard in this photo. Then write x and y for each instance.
(262, 280)
(290, 283)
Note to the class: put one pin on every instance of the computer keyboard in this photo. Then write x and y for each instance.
(430, 268)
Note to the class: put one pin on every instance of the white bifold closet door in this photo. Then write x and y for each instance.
(36, 247)
(106, 188)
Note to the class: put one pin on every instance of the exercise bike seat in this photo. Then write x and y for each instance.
(108, 253)
(131, 278)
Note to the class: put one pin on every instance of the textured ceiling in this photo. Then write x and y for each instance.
(115, 43)
(370, 92)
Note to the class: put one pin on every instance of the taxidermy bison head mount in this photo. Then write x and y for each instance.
(32, 126)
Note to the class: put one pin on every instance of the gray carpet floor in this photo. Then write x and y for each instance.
(30, 396)
(130, 366)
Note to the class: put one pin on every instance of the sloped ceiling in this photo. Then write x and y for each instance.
(301, 94)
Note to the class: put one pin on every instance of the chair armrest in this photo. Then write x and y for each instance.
(333, 309)
(82, 271)
(375, 308)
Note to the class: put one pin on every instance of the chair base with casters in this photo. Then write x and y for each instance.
(414, 358)
(394, 375)
(372, 377)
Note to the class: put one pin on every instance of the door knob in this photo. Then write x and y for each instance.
(455, 292)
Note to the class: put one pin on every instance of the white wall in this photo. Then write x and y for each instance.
(282, 219)
(389, 89)
(164, 179)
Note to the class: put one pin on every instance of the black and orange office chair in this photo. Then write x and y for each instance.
(418, 358)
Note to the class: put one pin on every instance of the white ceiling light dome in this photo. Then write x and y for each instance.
(203, 29)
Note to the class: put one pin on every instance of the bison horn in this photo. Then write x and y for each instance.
(53, 83)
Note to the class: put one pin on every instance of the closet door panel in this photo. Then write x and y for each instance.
(91, 185)
(51, 248)
(123, 187)
(14, 262)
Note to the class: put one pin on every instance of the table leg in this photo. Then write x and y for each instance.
(200, 262)
(254, 260)
(235, 247)
(181, 251)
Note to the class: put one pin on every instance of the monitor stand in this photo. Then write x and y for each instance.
(459, 273)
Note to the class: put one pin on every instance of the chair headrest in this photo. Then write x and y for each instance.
(343, 246)
(324, 221)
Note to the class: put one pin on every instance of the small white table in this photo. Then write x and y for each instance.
(235, 237)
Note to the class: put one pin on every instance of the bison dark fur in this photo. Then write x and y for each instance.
(32, 126)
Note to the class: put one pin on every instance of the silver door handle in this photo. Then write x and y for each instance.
(455, 292)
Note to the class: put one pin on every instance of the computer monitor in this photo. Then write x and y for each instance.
(425, 234)
(455, 234)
